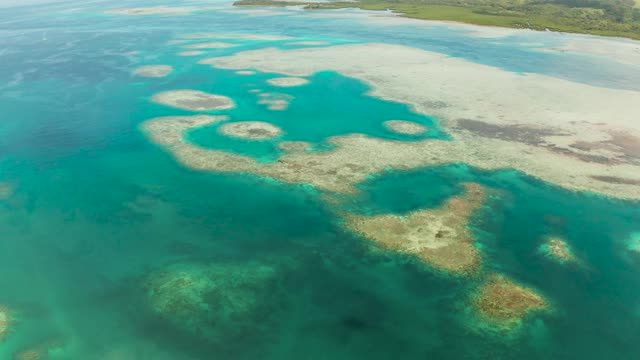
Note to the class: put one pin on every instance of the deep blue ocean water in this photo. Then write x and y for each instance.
(96, 207)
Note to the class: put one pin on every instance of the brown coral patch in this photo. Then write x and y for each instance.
(440, 237)
(504, 303)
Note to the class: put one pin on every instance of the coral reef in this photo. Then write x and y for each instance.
(350, 161)
(6, 190)
(250, 130)
(5, 322)
(440, 237)
(633, 243)
(558, 250)
(405, 127)
(193, 100)
(275, 101)
(214, 301)
(288, 81)
(153, 71)
(503, 304)
(42, 350)
(168, 131)
(294, 146)
(570, 137)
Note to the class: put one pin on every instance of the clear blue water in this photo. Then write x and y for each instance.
(97, 208)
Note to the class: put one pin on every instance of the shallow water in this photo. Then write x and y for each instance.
(97, 208)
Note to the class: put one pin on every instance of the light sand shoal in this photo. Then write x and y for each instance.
(250, 130)
(239, 36)
(275, 101)
(209, 45)
(294, 146)
(193, 100)
(191, 53)
(288, 81)
(164, 10)
(154, 71)
(405, 127)
(621, 50)
(308, 43)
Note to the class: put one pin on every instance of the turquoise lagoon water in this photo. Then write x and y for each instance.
(96, 208)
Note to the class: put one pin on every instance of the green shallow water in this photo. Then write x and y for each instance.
(97, 211)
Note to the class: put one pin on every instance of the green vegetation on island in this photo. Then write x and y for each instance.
(599, 17)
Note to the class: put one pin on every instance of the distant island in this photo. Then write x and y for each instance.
(598, 17)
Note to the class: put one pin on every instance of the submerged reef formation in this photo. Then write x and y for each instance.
(503, 304)
(165, 10)
(239, 36)
(634, 243)
(288, 81)
(193, 100)
(215, 302)
(250, 130)
(558, 250)
(41, 351)
(577, 136)
(275, 101)
(209, 45)
(440, 237)
(153, 70)
(294, 146)
(245, 72)
(6, 190)
(405, 127)
(5, 322)
(170, 131)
